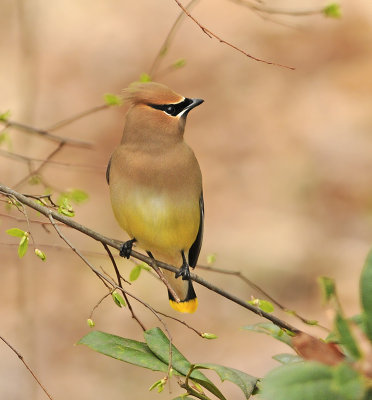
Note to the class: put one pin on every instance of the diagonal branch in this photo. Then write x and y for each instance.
(19, 355)
(118, 244)
(213, 35)
(45, 134)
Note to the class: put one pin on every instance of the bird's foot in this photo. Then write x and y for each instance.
(184, 271)
(126, 248)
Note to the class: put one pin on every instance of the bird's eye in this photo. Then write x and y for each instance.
(170, 109)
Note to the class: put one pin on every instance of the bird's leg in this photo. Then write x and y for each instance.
(126, 248)
(184, 271)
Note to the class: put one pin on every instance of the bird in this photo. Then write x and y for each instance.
(155, 185)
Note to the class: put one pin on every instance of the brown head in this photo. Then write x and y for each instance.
(157, 114)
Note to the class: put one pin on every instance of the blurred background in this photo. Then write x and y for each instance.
(286, 161)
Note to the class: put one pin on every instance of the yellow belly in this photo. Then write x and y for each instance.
(160, 222)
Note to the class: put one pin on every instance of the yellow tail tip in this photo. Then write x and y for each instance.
(188, 306)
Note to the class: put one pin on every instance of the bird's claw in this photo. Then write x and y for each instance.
(126, 248)
(184, 271)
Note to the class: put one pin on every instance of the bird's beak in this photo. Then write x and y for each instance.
(195, 103)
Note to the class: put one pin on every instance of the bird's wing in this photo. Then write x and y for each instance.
(108, 171)
(196, 246)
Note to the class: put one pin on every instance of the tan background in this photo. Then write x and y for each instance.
(286, 161)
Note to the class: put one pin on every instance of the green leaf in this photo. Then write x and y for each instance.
(263, 305)
(65, 207)
(272, 330)
(332, 10)
(184, 397)
(127, 350)
(118, 299)
(112, 99)
(312, 381)
(328, 288)
(181, 62)
(15, 232)
(5, 116)
(345, 336)
(40, 254)
(211, 258)
(159, 385)
(135, 273)
(286, 358)
(365, 285)
(247, 383)
(78, 196)
(159, 345)
(23, 245)
(145, 77)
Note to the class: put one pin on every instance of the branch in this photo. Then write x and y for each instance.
(21, 157)
(19, 355)
(119, 278)
(117, 245)
(210, 34)
(41, 166)
(164, 47)
(45, 134)
(241, 276)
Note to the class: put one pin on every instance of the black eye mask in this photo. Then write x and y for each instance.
(172, 109)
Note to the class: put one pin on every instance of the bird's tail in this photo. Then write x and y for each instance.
(184, 290)
(187, 305)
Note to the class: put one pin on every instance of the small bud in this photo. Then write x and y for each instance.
(40, 254)
(90, 323)
(118, 299)
(207, 335)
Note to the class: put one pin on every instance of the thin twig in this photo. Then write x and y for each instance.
(165, 46)
(241, 276)
(76, 117)
(211, 34)
(99, 303)
(118, 244)
(19, 355)
(45, 134)
(73, 248)
(27, 159)
(38, 169)
(189, 389)
(181, 322)
(119, 278)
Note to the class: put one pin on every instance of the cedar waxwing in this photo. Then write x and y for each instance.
(156, 185)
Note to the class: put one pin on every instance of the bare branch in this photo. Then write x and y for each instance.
(119, 278)
(27, 159)
(165, 46)
(241, 276)
(39, 168)
(213, 35)
(76, 117)
(45, 134)
(19, 355)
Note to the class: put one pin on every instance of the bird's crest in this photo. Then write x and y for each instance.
(150, 93)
